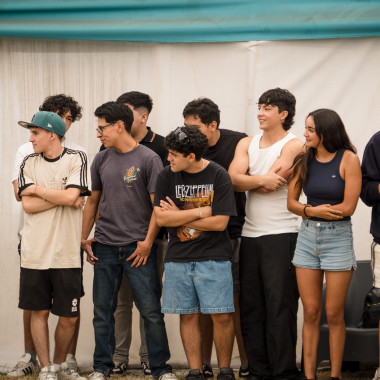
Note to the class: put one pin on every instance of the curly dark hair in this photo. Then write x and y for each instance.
(186, 140)
(113, 112)
(61, 104)
(205, 109)
(284, 100)
(137, 100)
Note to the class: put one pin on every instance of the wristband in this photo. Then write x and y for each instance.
(304, 211)
(200, 212)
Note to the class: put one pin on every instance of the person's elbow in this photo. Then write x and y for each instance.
(236, 183)
(28, 210)
(71, 197)
(160, 218)
(221, 223)
(349, 210)
(27, 207)
(237, 188)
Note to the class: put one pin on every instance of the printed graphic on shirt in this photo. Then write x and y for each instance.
(193, 196)
(131, 175)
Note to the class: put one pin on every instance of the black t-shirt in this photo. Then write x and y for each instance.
(210, 187)
(223, 153)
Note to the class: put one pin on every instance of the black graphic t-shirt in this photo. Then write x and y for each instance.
(210, 187)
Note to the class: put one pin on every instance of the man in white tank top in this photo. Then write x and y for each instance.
(268, 287)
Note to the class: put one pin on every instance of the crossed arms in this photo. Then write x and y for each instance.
(37, 198)
(274, 179)
(169, 215)
(351, 173)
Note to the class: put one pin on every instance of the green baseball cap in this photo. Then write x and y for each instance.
(46, 120)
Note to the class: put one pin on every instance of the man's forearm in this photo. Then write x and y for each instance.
(66, 197)
(169, 218)
(32, 205)
(88, 220)
(212, 223)
(245, 182)
(153, 230)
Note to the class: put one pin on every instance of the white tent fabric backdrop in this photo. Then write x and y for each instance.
(340, 74)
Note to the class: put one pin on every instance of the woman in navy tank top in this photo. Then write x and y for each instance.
(328, 171)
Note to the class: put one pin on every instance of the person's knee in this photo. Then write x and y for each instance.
(223, 320)
(189, 318)
(68, 322)
(40, 314)
(334, 316)
(151, 313)
(312, 314)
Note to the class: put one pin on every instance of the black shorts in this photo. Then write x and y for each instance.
(82, 293)
(81, 274)
(58, 290)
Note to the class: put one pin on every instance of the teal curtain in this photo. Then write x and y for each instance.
(189, 20)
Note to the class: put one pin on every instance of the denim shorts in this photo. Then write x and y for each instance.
(201, 286)
(325, 245)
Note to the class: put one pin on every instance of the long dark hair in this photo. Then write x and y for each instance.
(330, 126)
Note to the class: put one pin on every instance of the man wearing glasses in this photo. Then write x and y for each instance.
(124, 176)
(194, 198)
(141, 106)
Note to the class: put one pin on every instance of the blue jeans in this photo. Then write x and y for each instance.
(146, 291)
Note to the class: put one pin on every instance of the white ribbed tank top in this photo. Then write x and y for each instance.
(267, 214)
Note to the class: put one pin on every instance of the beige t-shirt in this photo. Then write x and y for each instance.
(51, 239)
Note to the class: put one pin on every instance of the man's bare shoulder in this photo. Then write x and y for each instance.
(293, 145)
(244, 143)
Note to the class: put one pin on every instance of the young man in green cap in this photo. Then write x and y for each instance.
(50, 182)
(70, 111)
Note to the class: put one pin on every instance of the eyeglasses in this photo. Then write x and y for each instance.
(180, 133)
(101, 127)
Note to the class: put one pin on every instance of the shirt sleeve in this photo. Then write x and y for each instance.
(26, 174)
(161, 190)
(371, 172)
(224, 199)
(79, 175)
(154, 168)
(95, 176)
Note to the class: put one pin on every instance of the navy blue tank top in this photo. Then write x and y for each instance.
(324, 184)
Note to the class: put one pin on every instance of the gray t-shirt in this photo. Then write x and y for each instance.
(126, 181)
